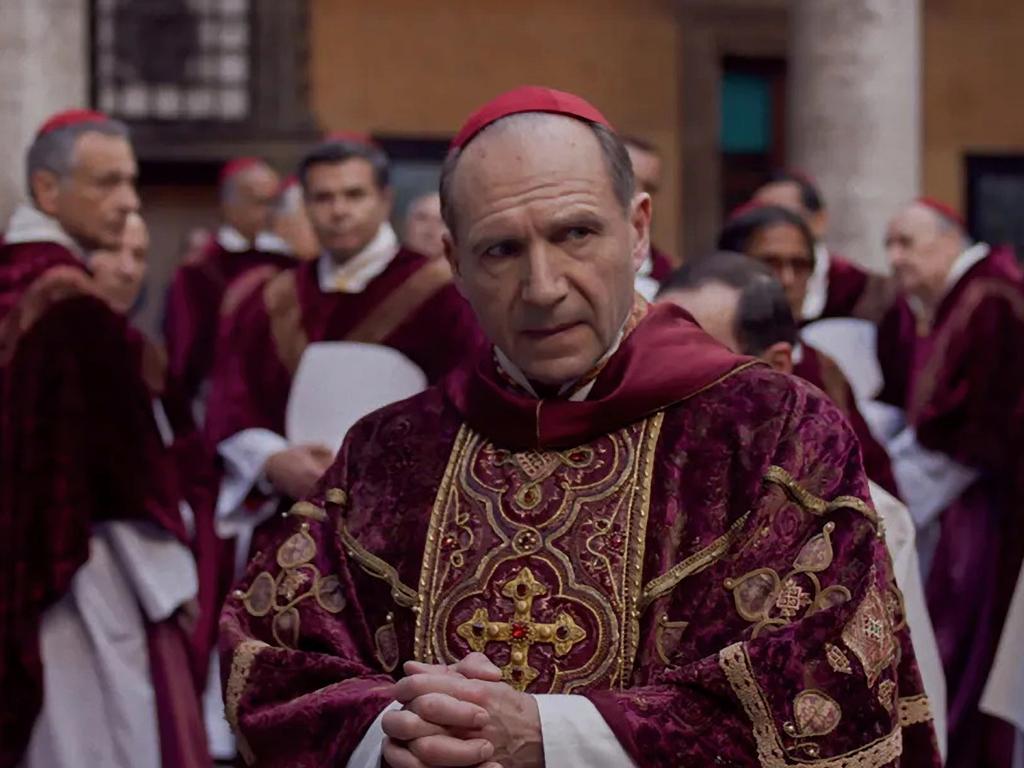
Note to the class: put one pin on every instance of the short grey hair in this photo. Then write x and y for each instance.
(54, 150)
(616, 159)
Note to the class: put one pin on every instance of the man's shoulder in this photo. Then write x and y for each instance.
(752, 395)
(415, 418)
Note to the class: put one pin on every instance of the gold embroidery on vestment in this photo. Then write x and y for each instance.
(838, 660)
(377, 568)
(869, 635)
(813, 504)
(735, 664)
(667, 636)
(768, 600)
(386, 641)
(576, 520)
(815, 714)
(692, 565)
(298, 580)
(241, 665)
(886, 695)
(914, 710)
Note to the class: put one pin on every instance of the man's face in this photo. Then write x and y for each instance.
(345, 205)
(543, 250)
(787, 194)
(424, 227)
(714, 306)
(921, 251)
(93, 201)
(646, 169)
(782, 248)
(250, 208)
(119, 272)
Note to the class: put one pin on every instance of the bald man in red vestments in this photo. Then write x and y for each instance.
(605, 541)
(961, 458)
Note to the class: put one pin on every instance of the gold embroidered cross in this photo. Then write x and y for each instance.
(522, 631)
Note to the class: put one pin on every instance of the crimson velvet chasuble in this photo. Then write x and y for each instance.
(691, 548)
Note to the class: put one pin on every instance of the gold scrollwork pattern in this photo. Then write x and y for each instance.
(735, 664)
(887, 695)
(297, 580)
(914, 710)
(372, 565)
(238, 677)
(667, 635)
(768, 600)
(838, 660)
(811, 503)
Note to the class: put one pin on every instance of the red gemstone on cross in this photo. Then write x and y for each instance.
(519, 631)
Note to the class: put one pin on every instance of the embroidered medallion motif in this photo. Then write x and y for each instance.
(816, 714)
(550, 586)
(769, 600)
(297, 580)
(869, 635)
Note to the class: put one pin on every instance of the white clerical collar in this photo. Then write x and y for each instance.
(817, 284)
(233, 241)
(30, 225)
(516, 374)
(353, 275)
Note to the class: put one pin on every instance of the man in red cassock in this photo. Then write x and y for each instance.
(647, 170)
(424, 228)
(92, 530)
(782, 240)
(961, 458)
(248, 193)
(605, 541)
(364, 287)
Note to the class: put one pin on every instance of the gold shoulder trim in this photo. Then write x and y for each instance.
(694, 564)
(377, 568)
(281, 299)
(241, 666)
(735, 663)
(914, 710)
(814, 504)
(402, 303)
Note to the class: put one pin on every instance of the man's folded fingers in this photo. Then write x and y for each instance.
(451, 751)
(405, 725)
(444, 710)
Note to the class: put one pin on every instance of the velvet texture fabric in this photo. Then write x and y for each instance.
(406, 307)
(78, 445)
(194, 305)
(690, 548)
(823, 372)
(966, 399)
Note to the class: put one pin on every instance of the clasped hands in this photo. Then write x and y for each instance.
(461, 715)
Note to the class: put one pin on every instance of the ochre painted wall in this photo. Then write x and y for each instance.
(973, 100)
(419, 67)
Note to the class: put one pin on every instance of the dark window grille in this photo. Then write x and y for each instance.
(173, 60)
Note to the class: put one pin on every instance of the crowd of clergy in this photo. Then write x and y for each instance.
(510, 485)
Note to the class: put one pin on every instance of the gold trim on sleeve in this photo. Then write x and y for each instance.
(241, 666)
(735, 664)
(694, 564)
(815, 504)
(377, 568)
(914, 710)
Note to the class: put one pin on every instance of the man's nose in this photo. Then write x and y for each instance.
(129, 198)
(543, 284)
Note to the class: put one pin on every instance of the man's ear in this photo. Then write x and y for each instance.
(451, 255)
(818, 223)
(779, 356)
(45, 188)
(640, 221)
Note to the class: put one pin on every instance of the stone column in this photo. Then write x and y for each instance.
(855, 113)
(44, 67)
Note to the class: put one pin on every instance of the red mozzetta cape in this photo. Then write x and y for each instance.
(689, 548)
(78, 445)
(193, 308)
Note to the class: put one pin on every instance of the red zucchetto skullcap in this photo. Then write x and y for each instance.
(71, 117)
(743, 208)
(944, 210)
(232, 168)
(528, 98)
